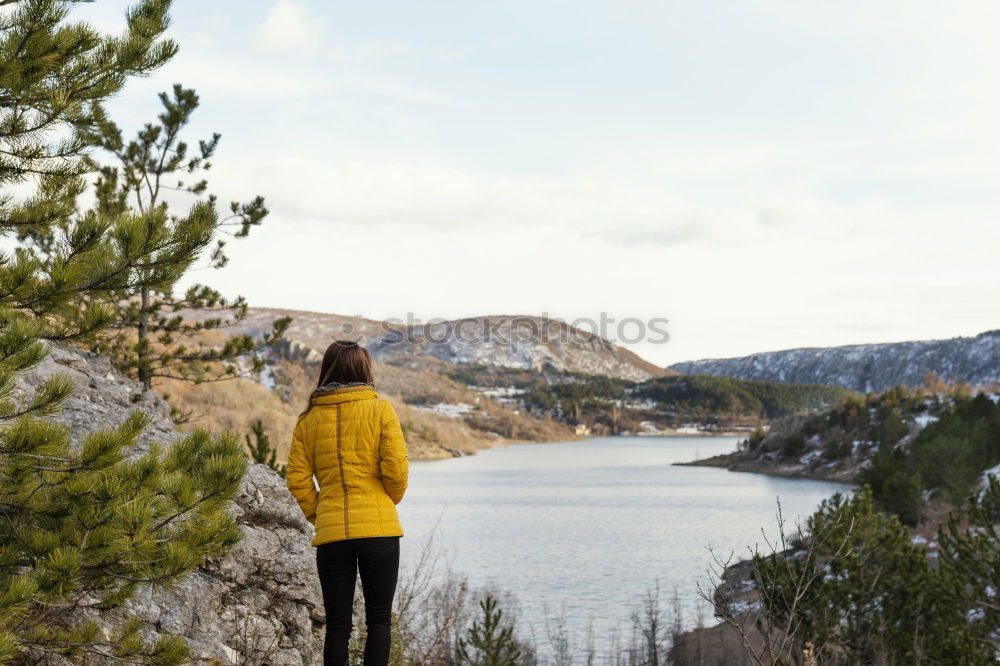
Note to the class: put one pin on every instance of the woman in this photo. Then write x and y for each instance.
(350, 440)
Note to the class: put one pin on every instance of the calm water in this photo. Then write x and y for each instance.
(584, 529)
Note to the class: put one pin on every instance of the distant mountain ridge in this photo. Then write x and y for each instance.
(511, 341)
(866, 368)
(515, 341)
(467, 384)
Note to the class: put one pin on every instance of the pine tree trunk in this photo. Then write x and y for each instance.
(143, 334)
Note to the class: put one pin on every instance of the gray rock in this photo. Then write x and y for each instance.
(261, 603)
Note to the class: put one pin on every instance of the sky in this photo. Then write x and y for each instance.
(764, 174)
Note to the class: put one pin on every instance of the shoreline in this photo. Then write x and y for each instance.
(735, 463)
(447, 453)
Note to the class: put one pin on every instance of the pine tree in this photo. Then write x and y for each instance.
(157, 333)
(863, 593)
(260, 449)
(896, 487)
(970, 551)
(490, 642)
(85, 523)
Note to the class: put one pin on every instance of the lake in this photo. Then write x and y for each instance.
(584, 529)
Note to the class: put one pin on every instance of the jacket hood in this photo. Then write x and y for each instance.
(334, 392)
(329, 386)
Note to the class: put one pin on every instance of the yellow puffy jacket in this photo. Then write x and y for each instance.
(351, 441)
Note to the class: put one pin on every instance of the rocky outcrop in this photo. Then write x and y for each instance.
(261, 603)
(867, 368)
(297, 351)
(793, 449)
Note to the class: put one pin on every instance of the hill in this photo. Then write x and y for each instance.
(674, 404)
(923, 453)
(867, 368)
(510, 341)
(908, 445)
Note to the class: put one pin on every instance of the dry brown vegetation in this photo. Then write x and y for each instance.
(236, 404)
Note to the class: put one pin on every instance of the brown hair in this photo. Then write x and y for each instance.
(345, 362)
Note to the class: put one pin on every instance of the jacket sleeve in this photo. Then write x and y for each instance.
(392, 455)
(299, 475)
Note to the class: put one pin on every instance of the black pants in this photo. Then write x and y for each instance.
(338, 563)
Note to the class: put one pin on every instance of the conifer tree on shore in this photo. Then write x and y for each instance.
(160, 334)
(86, 523)
(157, 333)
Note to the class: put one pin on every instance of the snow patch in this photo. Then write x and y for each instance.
(994, 472)
(738, 608)
(267, 379)
(450, 410)
(642, 405)
(501, 392)
(810, 456)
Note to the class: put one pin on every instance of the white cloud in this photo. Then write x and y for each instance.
(443, 198)
(290, 26)
(773, 272)
(220, 75)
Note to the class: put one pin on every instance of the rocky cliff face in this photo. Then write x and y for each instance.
(865, 368)
(502, 340)
(261, 604)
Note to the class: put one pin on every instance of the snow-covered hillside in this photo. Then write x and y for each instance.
(499, 340)
(515, 342)
(873, 367)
